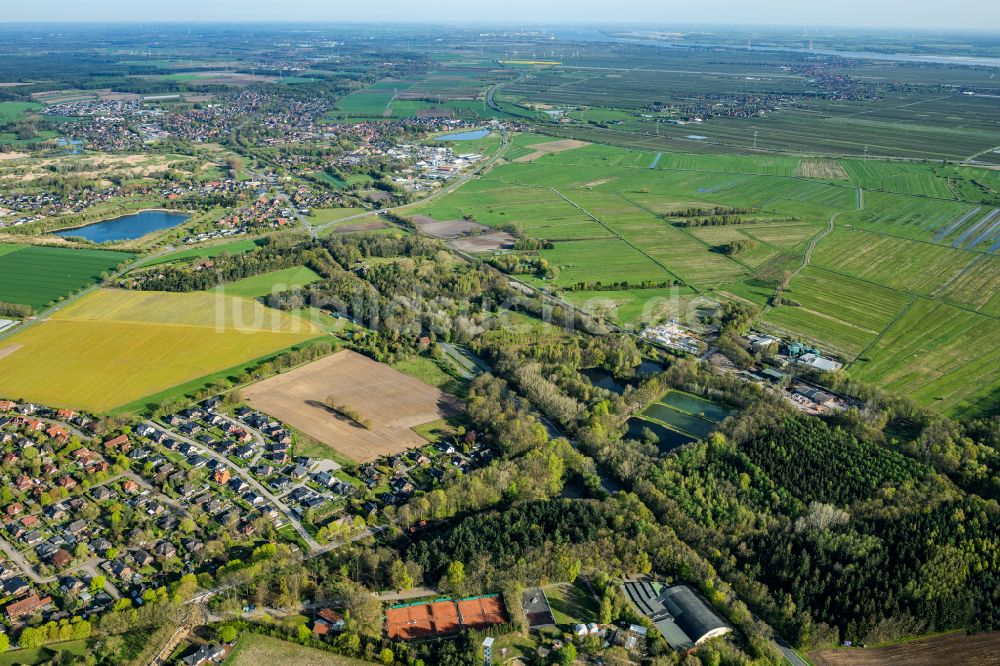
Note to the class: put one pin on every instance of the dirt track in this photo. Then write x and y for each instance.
(958, 648)
(392, 401)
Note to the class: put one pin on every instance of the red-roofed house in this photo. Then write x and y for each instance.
(26, 606)
(120, 442)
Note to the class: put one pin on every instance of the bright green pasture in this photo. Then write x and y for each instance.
(636, 306)
(268, 283)
(938, 355)
(839, 313)
(13, 111)
(977, 287)
(909, 265)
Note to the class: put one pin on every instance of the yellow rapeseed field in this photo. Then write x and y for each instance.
(114, 347)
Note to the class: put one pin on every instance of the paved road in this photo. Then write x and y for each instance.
(791, 655)
(415, 593)
(235, 470)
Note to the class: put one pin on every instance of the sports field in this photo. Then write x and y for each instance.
(36, 275)
(394, 403)
(115, 347)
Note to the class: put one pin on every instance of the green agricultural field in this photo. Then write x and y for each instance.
(901, 177)
(115, 347)
(269, 283)
(540, 212)
(13, 111)
(637, 306)
(938, 355)
(978, 286)
(325, 215)
(918, 218)
(839, 313)
(205, 252)
(603, 262)
(373, 101)
(908, 265)
(36, 276)
(430, 372)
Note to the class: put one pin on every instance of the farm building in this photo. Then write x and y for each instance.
(817, 362)
(684, 619)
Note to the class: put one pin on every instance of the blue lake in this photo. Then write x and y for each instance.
(469, 135)
(127, 227)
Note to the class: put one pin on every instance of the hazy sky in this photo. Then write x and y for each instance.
(980, 14)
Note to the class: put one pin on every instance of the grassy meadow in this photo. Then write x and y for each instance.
(901, 237)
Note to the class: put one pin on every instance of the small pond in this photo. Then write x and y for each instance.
(127, 227)
(469, 135)
(668, 439)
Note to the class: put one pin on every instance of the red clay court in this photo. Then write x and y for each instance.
(482, 612)
(414, 621)
(443, 617)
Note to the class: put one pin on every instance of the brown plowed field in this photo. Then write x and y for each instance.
(958, 648)
(446, 229)
(393, 403)
(484, 243)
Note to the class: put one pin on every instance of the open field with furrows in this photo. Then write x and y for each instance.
(36, 275)
(680, 253)
(255, 650)
(902, 124)
(839, 313)
(826, 169)
(919, 267)
(394, 403)
(901, 177)
(549, 147)
(958, 648)
(938, 355)
(373, 101)
(978, 286)
(115, 347)
(912, 217)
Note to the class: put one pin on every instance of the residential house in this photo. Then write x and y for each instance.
(26, 607)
